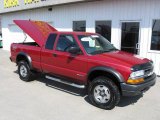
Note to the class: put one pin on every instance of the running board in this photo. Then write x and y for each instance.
(64, 82)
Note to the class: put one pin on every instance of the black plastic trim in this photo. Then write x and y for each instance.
(109, 70)
(29, 60)
(148, 65)
(133, 90)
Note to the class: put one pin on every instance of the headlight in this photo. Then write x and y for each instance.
(137, 74)
(136, 77)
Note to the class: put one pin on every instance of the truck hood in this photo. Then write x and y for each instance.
(120, 57)
(37, 30)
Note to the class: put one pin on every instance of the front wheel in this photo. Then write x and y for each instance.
(103, 93)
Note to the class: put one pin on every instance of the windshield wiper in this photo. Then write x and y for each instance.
(100, 51)
(113, 49)
(103, 51)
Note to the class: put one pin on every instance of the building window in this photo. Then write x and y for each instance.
(79, 26)
(104, 29)
(155, 40)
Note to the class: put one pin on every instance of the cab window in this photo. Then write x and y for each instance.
(65, 42)
(50, 41)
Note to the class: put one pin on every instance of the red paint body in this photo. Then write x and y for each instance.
(66, 64)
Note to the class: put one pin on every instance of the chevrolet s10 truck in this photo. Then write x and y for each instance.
(83, 60)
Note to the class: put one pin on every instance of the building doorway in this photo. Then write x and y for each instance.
(130, 37)
(1, 45)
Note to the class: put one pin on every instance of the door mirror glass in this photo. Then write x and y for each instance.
(74, 50)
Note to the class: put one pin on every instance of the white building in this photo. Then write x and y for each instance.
(131, 25)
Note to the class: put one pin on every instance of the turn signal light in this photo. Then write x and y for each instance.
(136, 81)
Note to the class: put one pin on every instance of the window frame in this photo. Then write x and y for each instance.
(150, 37)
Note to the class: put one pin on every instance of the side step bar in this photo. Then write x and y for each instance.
(64, 82)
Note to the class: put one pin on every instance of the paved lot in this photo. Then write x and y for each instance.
(46, 100)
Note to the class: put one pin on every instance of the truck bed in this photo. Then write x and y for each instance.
(30, 44)
(32, 49)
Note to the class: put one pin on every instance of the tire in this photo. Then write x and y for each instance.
(103, 93)
(24, 71)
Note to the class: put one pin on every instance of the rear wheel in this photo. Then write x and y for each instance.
(103, 93)
(24, 71)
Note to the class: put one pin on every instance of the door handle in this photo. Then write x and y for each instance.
(55, 55)
(137, 46)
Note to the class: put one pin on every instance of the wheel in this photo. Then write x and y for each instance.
(103, 93)
(24, 71)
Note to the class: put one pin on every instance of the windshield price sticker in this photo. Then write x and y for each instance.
(90, 40)
(94, 36)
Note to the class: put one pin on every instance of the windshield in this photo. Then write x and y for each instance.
(96, 44)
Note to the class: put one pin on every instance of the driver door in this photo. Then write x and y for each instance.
(68, 65)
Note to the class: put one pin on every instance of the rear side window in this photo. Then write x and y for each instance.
(50, 41)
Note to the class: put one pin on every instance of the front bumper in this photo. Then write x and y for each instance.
(133, 90)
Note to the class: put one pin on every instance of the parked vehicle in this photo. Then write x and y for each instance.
(82, 60)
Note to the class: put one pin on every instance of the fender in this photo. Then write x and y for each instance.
(109, 70)
(28, 58)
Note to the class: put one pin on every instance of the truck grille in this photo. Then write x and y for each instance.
(148, 71)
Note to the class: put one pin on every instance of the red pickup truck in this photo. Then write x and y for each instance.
(82, 60)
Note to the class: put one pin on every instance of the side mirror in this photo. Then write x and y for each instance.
(74, 50)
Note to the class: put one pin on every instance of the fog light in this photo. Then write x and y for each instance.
(135, 81)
